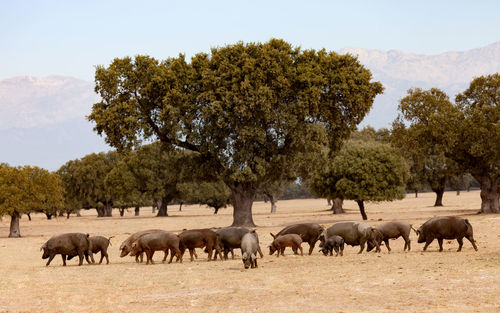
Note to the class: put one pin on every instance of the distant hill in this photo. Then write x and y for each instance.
(398, 71)
(42, 119)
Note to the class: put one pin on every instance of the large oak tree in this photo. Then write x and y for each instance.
(416, 137)
(249, 110)
(473, 134)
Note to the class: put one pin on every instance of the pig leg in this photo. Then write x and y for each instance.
(387, 244)
(283, 251)
(440, 241)
(178, 253)
(294, 249)
(191, 254)
(165, 256)
(50, 259)
(336, 251)
(255, 261)
(260, 252)
(311, 247)
(63, 256)
(460, 244)
(361, 247)
(472, 241)
(102, 257)
(106, 255)
(301, 251)
(80, 256)
(407, 242)
(149, 257)
(210, 251)
(427, 243)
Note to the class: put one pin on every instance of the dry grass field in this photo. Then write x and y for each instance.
(468, 281)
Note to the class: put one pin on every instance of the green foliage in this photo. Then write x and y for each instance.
(14, 191)
(215, 195)
(369, 133)
(415, 134)
(29, 189)
(84, 180)
(251, 111)
(364, 171)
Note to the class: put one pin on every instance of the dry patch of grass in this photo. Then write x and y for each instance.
(468, 281)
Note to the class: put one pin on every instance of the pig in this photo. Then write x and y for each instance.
(126, 245)
(199, 238)
(230, 238)
(100, 244)
(67, 245)
(249, 247)
(157, 241)
(353, 233)
(445, 227)
(333, 243)
(281, 242)
(392, 230)
(309, 232)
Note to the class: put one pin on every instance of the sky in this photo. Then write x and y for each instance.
(41, 38)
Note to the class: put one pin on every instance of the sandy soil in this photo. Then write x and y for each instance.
(468, 281)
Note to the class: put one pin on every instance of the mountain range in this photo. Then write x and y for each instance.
(42, 119)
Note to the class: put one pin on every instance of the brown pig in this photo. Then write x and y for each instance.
(157, 241)
(126, 245)
(391, 230)
(200, 238)
(281, 242)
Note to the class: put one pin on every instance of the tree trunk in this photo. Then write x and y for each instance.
(49, 216)
(337, 206)
(100, 212)
(162, 208)
(67, 215)
(490, 195)
(136, 211)
(29, 216)
(439, 197)
(416, 193)
(78, 213)
(15, 232)
(272, 199)
(329, 202)
(458, 192)
(122, 211)
(155, 205)
(61, 213)
(243, 195)
(180, 207)
(108, 209)
(216, 210)
(361, 205)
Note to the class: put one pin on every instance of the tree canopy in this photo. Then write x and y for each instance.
(362, 171)
(249, 110)
(473, 136)
(27, 189)
(414, 134)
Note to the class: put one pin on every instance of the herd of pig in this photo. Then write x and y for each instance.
(224, 240)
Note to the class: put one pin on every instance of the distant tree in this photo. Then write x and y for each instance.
(249, 110)
(272, 191)
(46, 191)
(472, 136)
(362, 171)
(84, 181)
(215, 195)
(27, 189)
(74, 199)
(369, 133)
(419, 142)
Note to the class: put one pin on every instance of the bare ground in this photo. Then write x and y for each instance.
(468, 281)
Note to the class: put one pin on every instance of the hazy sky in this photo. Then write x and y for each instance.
(41, 38)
